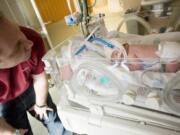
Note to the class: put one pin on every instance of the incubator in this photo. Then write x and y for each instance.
(102, 95)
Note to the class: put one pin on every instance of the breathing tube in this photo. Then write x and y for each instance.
(112, 46)
(109, 47)
(100, 69)
(107, 44)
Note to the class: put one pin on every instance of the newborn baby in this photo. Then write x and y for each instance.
(138, 57)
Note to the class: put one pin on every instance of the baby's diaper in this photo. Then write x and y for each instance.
(169, 51)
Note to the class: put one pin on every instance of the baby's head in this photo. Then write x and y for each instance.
(119, 53)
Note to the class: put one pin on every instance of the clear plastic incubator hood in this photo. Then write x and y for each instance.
(101, 94)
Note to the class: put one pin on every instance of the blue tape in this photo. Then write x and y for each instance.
(104, 42)
(80, 50)
(93, 38)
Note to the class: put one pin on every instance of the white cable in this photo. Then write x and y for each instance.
(136, 18)
(43, 26)
(69, 6)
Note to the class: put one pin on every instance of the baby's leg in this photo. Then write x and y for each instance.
(172, 67)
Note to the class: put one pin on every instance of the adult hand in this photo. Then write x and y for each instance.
(41, 111)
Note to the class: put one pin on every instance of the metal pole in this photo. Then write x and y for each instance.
(43, 26)
(77, 5)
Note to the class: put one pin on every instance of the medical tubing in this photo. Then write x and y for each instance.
(110, 45)
(83, 46)
(69, 6)
(80, 50)
(85, 9)
(99, 68)
(134, 17)
(81, 28)
(146, 71)
(104, 42)
(95, 48)
(142, 76)
(167, 94)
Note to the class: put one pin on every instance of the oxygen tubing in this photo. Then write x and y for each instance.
(136, 18)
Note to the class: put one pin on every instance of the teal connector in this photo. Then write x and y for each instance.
(104, 80)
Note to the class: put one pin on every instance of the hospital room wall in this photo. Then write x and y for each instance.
(114, 10)
(52, 10)
(20, 11)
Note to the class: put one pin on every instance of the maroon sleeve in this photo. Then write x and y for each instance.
(38, 51)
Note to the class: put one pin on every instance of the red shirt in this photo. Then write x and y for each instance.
(14, 81)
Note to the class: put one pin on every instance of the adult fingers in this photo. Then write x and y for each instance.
(41, 116)
(49, 109)
(46, 116)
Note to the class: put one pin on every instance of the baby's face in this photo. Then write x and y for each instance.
(116, 55)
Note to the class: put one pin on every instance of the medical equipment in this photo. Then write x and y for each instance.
(160, 8)
(100, 98)
(134, 17)
(83, 18)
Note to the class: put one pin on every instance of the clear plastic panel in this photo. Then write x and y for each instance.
(102, 70)
(172, 94)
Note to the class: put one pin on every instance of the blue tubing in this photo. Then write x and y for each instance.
(104, 42)
(80, 50)
(100, 40)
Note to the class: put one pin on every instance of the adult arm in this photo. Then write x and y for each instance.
(41, 90)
